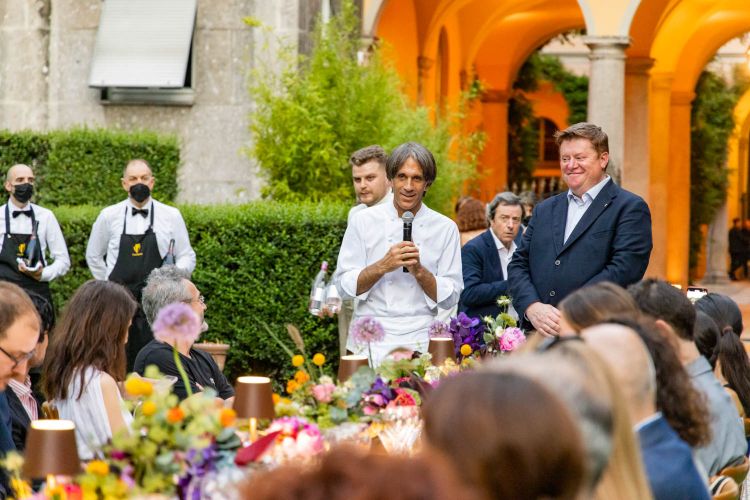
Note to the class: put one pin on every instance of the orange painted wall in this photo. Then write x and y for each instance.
(397, 30)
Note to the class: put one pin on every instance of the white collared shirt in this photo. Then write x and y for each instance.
(505, 255)
(388, 198)
(49, 233)
(105, 235)
(578, 206)
(369, 236)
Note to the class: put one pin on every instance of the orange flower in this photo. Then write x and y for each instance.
(466, 350)
(148, 409)
(138, 387)
(301, 377)
(276, 398)
(97, 468)
(319, 359)
(298, 360)
(291, 386)
(175, 415)
(227, 416)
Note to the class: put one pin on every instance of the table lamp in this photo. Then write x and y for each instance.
(253, 399)
(51, 451)
(442, 349)
(349, 364)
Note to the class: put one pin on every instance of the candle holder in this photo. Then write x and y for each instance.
(253, 399)
(442, 349)
(349, 364)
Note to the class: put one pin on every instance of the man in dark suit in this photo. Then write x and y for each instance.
(595, 232)
(485, 258)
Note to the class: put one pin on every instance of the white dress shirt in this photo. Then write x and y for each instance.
(388, 198)
(505, 255)
(106, 232)
(397, 300)
(49, 233)
(578, 206)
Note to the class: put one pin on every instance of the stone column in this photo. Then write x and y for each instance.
(635, 163)
(424, 65)
(495, 155)
(678, 205)
(607, 93)
(717, 248)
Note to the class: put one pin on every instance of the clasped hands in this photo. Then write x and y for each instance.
(402, 254)
(545, 318)
(36, 274)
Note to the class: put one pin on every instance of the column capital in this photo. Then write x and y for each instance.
(495, 96)
(638, 65)
(607, 47)
(682, 98)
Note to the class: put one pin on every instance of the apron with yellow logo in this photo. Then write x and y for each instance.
(14, 246)
(138, 256)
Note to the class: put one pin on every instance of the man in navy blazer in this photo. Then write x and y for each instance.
(595, 232)
(485, 258)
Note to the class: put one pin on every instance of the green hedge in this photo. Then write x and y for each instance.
(255, 265)
(80, 166)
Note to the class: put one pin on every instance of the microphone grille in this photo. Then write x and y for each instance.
(407, 217)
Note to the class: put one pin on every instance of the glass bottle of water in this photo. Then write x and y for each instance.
(318, 291)
(333, 299)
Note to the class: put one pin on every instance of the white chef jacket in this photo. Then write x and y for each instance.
(397, 300)
(49, 233)
(107, 229)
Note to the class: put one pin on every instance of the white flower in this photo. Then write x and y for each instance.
(504, 300)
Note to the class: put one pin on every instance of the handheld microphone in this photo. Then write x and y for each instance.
(408, 218)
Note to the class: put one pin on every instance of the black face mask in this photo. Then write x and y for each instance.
(140, 192)
(23, 192)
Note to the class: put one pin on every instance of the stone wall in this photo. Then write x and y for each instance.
(46, 48)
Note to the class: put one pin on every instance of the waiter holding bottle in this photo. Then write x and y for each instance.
(29, 232)
(134, 237)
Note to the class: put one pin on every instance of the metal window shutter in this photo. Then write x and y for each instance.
(143, 43)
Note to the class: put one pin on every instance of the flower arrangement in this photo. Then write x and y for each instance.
(170, 446)
(295, 439)
(502, 334)
(468, 335)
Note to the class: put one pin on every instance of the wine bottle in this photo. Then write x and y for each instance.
(33, 253)
(169, 259)
(318, 291)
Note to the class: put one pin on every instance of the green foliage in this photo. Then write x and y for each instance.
(313, 112)
(712, 123)
(574, 88)
(80, 166)
(523, 125)
(255, 266)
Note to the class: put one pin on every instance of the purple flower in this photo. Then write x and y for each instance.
(377, 397)
(438, 329)
(177, 322)
(367, 329)
(467, 330)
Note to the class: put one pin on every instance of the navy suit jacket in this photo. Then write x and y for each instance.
(669, 463)
(484, 281)
(611, 242)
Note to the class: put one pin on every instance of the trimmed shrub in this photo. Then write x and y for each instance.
(84, 166)
(256, 263)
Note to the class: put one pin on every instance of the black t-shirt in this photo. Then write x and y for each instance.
(200, 367)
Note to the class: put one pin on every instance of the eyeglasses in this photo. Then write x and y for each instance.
(201, 299)
(17, 361)
(550, 343)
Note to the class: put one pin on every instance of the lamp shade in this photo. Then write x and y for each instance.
(349, 364)
(51, 449)
(442, 349)
(253, 397)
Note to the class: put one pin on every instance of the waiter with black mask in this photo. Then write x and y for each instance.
(134, 237)
(32, 248)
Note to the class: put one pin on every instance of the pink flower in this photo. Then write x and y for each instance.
(176, 322)
(323, 392)
(367, 329)
(511, 338)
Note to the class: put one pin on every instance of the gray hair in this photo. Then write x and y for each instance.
(416, 152)
(165, 285)
(504, 198)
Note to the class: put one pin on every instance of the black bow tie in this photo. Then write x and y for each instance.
(140, 211)
(16, 213)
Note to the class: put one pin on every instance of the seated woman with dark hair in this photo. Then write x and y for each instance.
(471, 218)
(86, 359)
(519, 441)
